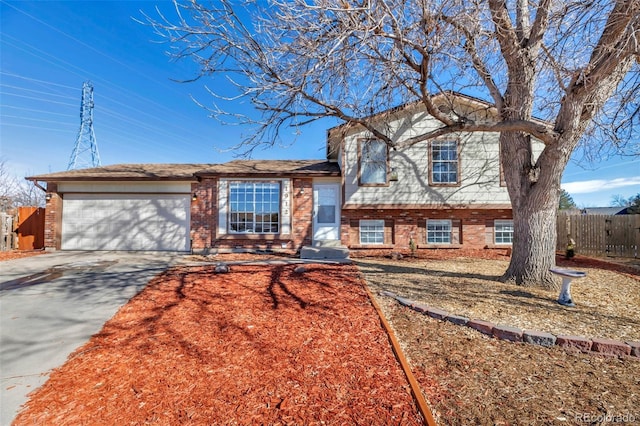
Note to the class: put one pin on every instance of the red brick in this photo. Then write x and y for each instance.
(577, 342)
(635, 348)
(411, 223)
(437, 313)
(204, 222)
(505, 332)
(482, 326)
(53, 219)
(612, 347)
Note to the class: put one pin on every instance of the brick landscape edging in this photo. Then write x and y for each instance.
(602, 346)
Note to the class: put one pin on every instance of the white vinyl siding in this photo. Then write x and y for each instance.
(478, 177)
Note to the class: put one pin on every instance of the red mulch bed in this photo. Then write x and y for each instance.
(630, 270)
(18, 254)
(259, 345)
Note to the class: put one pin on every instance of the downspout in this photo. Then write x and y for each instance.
(35, 182)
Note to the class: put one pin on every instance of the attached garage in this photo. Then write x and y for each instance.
(128, 207)
(125, 222)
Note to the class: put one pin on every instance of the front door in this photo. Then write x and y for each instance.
(326, 211)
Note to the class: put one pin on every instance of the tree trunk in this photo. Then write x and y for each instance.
(534, 189)
(534, 246)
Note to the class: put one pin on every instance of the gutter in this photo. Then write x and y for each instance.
(37, 184)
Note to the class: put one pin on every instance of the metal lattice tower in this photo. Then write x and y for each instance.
(85, 152)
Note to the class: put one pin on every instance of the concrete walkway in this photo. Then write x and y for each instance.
(51, 304)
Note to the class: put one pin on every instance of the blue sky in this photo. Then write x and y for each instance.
(49, 48)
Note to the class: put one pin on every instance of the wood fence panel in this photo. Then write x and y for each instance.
(30, 228)
(597, 235)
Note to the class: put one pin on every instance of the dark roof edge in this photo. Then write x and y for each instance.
(44, 178)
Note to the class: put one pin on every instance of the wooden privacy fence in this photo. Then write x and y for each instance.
(598, 235)
(30, 228)
(22, 229)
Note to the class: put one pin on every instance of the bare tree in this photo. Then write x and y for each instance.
(571, 64)
(15, 192)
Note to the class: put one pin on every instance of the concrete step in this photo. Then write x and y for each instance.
(327, 243)
(329, 253)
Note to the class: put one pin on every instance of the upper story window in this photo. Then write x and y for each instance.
(444, 162)
(372, 162)
(254, 207)
(503, 231)
(439, 231)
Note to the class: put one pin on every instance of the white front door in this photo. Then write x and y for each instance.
(326, 211)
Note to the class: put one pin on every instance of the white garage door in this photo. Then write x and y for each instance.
(125, 222)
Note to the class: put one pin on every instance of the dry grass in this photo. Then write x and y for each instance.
(607, 301)
(470, 378)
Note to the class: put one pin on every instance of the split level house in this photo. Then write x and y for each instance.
(445, 193)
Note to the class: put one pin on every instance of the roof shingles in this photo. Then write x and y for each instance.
(247, 168)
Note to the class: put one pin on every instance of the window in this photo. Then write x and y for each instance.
(372, 232)
(503, 231)
(254, 207)
(444, 162)
(439, 231)
(373, 162)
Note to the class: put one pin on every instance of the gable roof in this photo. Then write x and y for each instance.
(125, 172)
(607, 211)
(443, 101)
(190, 172)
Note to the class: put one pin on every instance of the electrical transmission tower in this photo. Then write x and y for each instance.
(85, 151)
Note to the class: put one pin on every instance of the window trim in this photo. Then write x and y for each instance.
(380, 221)
(230, 211)
(495, 231)
(361, 143)
(431, 162)
(449, 222)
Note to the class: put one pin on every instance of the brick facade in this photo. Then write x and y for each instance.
(53, 219)
(471, 228)
(204, 222)
(204, 214)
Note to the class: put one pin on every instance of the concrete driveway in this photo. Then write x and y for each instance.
(51, 304)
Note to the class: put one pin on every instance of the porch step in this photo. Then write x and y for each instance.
(327, 243)
(329, 253)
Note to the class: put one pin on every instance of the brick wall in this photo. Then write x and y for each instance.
(472, 229)
(204, 214)
(204, 222)
(53, 219)
(302, 209)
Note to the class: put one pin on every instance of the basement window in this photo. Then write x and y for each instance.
(371, 232)
(439, 231)
(503, 231)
